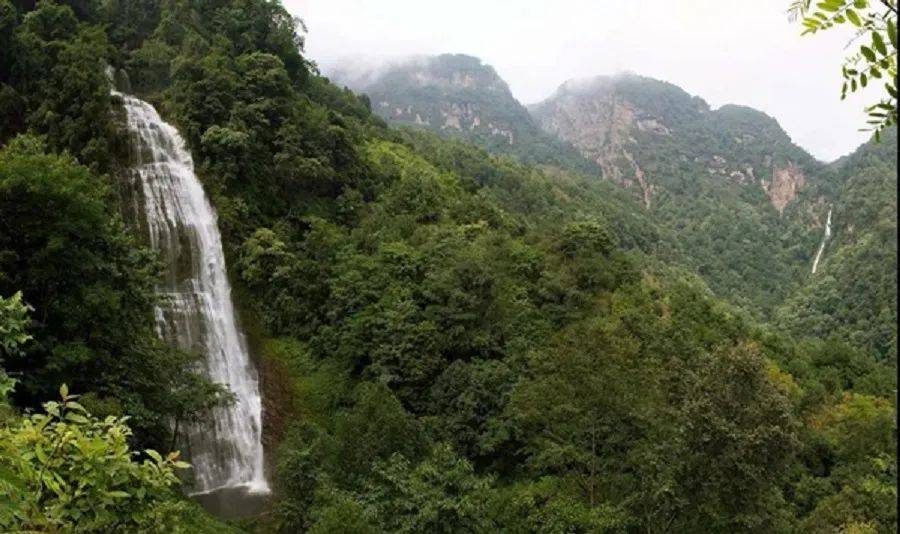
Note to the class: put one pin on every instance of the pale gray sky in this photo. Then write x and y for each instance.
(725, 51)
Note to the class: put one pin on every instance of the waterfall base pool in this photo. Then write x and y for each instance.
(233, 502)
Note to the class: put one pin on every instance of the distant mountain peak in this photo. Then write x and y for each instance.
(442, 71)
(627, 122)
(460, 96)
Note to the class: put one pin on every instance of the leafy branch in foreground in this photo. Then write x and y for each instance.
(64, 467)
(875, 58)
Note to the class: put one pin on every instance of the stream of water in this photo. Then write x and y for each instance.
(825, 238)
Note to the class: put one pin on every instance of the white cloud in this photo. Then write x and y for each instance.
(725, 51)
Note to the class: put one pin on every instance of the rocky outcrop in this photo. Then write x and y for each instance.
(453, 94)
(782, 189)
(601, 125)
(653, 125)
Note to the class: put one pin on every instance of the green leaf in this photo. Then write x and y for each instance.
(875, 72)
(153, 454)
(891, 90)
(63, 391)
(892, 33)
(72, 405)
(853, 18)
(878, 43)
(116, 494)
(867, 52)
(863, 80)
(76, 418)
(860, 4)
(828, 6)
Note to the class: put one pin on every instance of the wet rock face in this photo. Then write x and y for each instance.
(783, 187)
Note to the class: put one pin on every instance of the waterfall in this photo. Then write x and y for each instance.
(196, 312)
(824, 241)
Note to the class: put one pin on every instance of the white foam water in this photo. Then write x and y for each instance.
(196, 312)
(825, 238)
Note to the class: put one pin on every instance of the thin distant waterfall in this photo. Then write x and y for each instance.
(197, 312)
(824, 241)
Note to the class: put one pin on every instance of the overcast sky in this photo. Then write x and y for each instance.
(725, 51)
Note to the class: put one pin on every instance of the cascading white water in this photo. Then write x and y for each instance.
(198, 313)
(824, 241)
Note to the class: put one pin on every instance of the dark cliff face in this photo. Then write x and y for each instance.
(458, 96)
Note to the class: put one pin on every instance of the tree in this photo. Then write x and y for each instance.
(582, 403)
(738, 435)
(13, 323)
(859, 440)
(442, 494)
(875, 24)
(64, 468)
(91, 286)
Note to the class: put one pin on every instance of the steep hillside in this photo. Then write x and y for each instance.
(852, 294)
(640, 131)
(744, 201)
(459, 96)
(729, 193)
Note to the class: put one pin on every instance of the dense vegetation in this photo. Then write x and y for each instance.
(459, 342)
(855, 299)
(708, 175)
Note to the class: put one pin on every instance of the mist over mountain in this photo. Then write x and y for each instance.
(458, 96)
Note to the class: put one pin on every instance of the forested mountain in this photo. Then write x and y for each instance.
(448, 340)
(853, 293)
(745, 201)
(746, 204)
(459, 96)
(741, 204)
(749, 207)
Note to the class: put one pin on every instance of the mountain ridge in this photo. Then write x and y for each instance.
(693, 167)
(459, 96)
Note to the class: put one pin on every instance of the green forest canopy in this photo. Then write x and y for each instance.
(462, 342)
